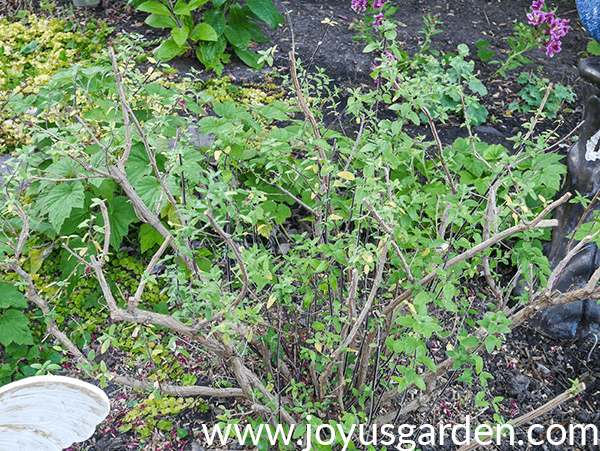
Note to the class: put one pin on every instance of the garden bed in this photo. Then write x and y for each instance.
(528, 369)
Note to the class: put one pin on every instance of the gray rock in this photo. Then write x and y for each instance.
(517, 385)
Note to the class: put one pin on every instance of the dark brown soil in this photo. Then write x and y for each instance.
(528, 359)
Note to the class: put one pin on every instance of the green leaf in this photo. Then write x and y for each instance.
(14, 328)
(195, 4)
(154, 7)
(593, 48)
(180, 35)
(149, 237)
(203, 32)
(218, 3)
(31, 47)
(266, 11)
(216, 20)
(150, 191)
(209, 53)
(469, 342)
(160, 21)
(419, 382)
(10, 296)
(256, 34)
(240, 38)
(60, 200)
(485, 54)
(248, 57)
(182, 8)
(237, 18)
(169, 49)
(138, 164)
(490, 343)
(121, 214)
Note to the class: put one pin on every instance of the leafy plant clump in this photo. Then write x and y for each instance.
(32, 49)
(330, 273)
(538, 91)
(227, 22)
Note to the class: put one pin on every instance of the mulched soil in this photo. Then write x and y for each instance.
(529, 370)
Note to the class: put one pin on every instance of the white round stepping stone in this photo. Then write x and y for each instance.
(49, 413)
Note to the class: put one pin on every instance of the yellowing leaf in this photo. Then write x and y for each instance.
(367, 257)
(346, 175)
(508, 199)
(542, 198)
(217, 155)
(410, 307)
(366, 269)
(319, 347)
(337, 183)
(151, 60)
(264, 230)
(449, 347)
(271, 300)
(426, 252)
(335, 217)
(249, 336)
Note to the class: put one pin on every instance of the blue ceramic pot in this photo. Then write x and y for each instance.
(589, 11)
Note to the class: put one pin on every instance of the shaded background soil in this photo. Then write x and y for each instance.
(529, 370)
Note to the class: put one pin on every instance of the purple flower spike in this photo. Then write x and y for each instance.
(359, 5)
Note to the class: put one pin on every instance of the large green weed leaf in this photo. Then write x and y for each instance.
(180, 35)
(203, 32)
(216, 20)
(60, 200)
(121, 214)
(160, 21)
(150, 191)
(10, 296)
(148, 237)
(239, 37)
(169, 49)
(266, 11)
(14, 328)
(154, 8)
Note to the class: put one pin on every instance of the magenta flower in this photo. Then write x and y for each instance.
(536, 18)
(379, 19)
(537, 5)
(559, 27)
(359, 5)
(378, 4)
(553, 46)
